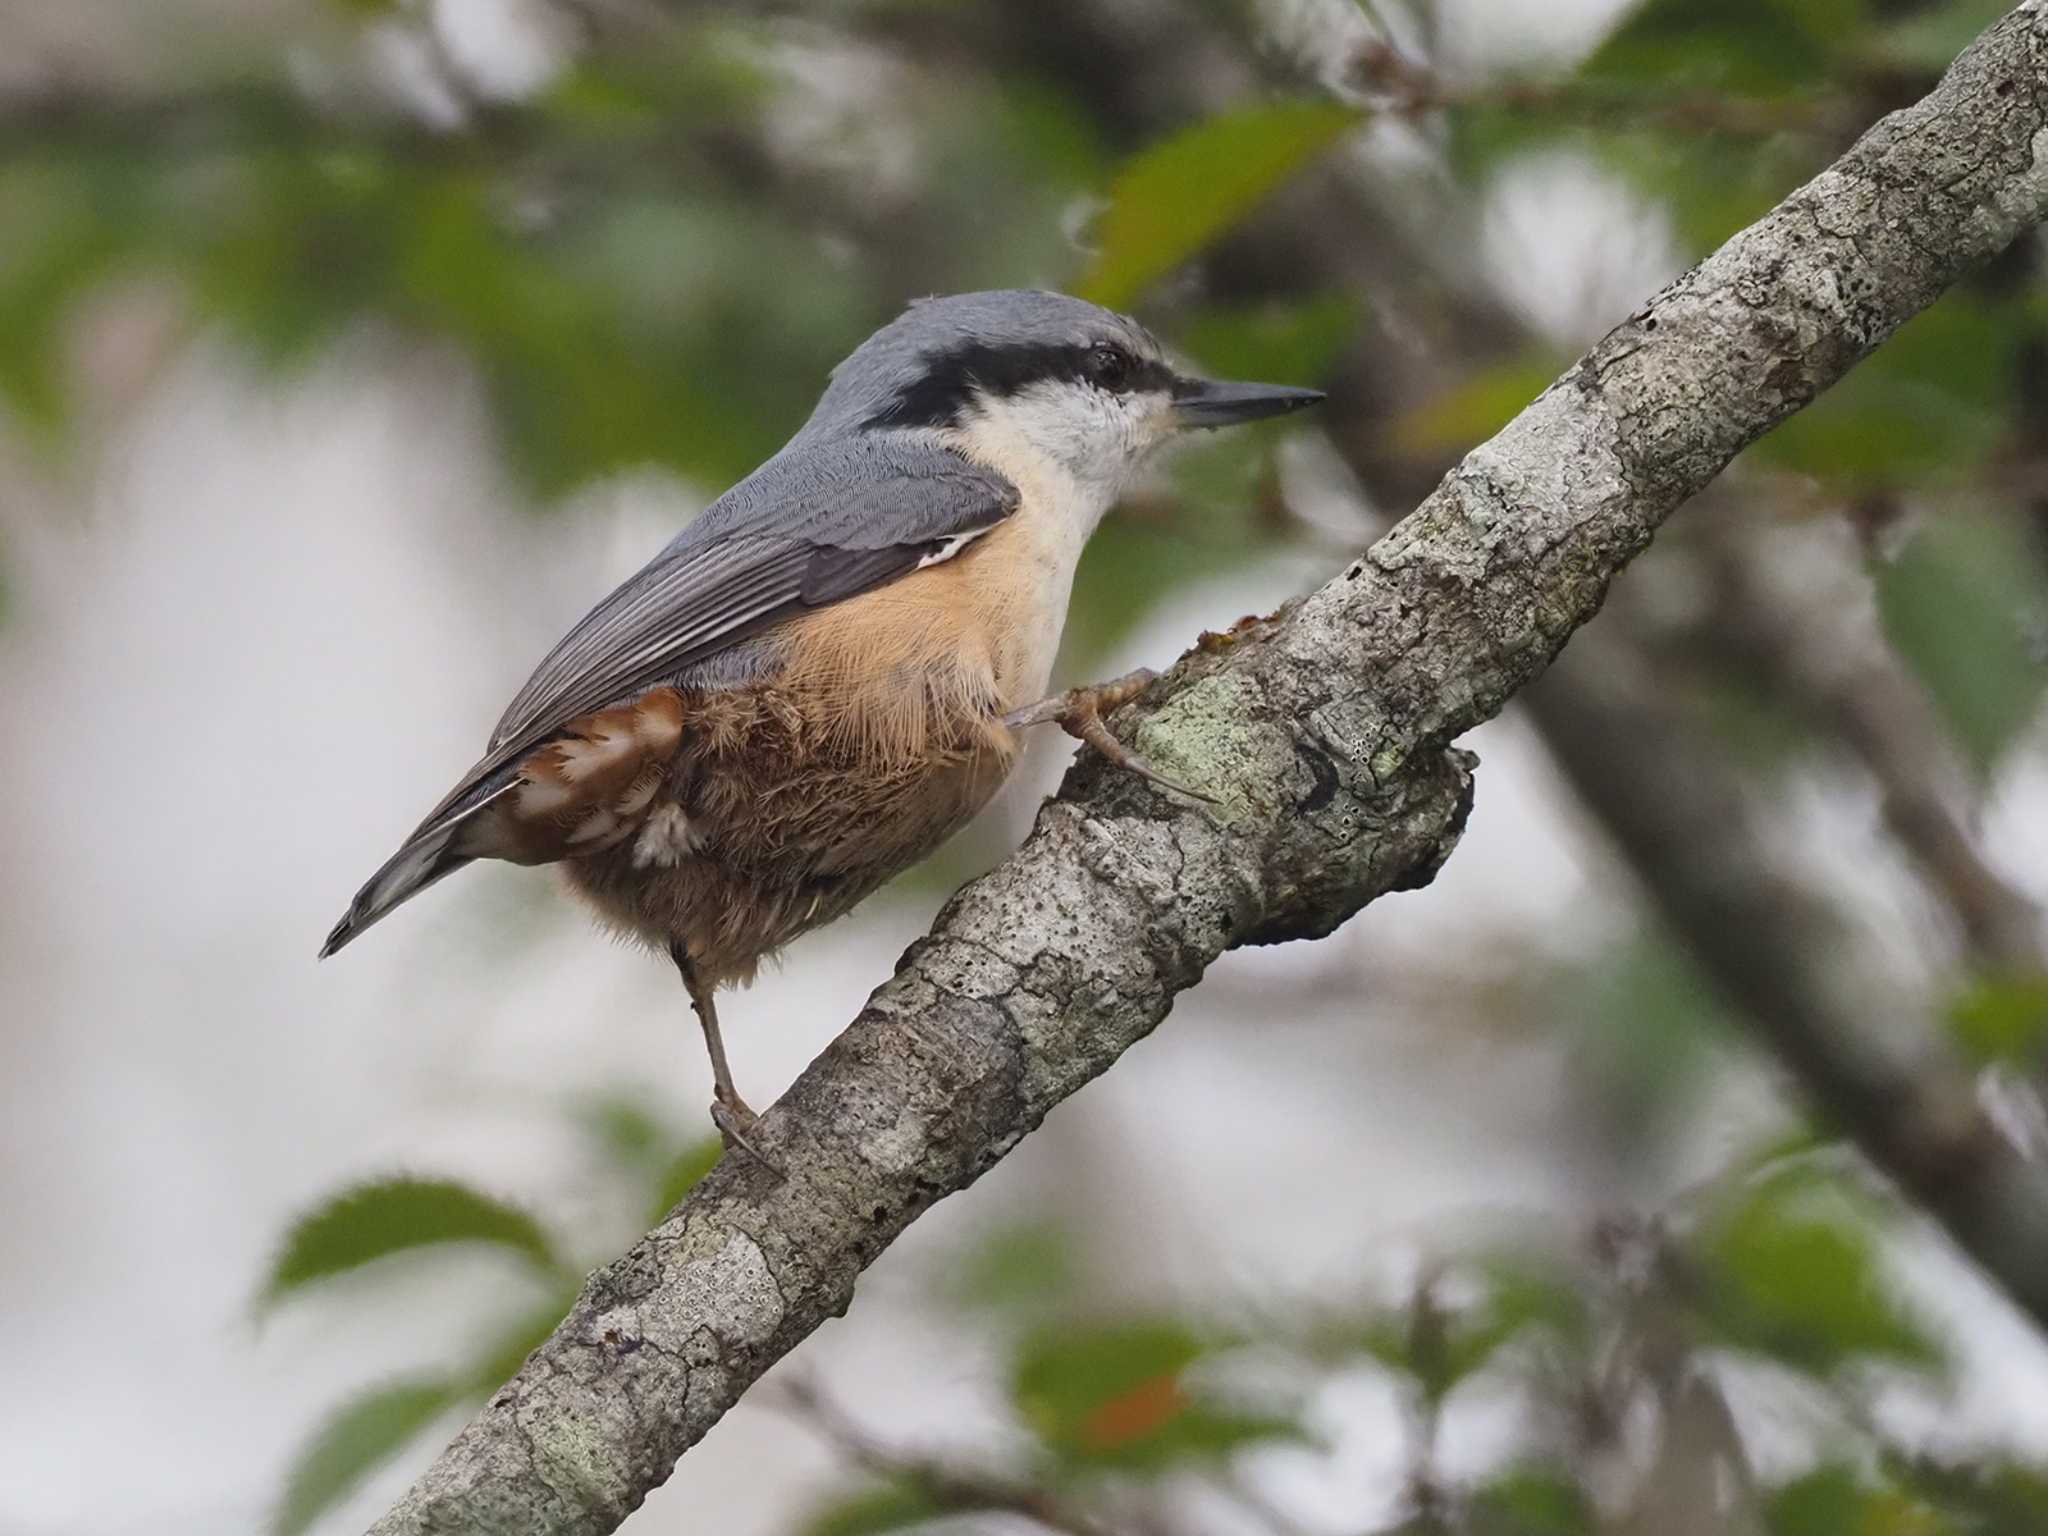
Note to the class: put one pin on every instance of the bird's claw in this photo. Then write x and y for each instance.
(734, 1120)
(1079, 713)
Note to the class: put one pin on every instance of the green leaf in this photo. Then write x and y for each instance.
(1177, 196)
(1015, 1270)
(1927, 408)
(893, 1506)
(1439, 1347)
(1745, 47)
(355, 1440)
(631, 1136)
(1472, 411)
(1929, 38)
(1389, 1340)
(398, 1215)
(1958, 603)
(2002, 1019)
(1532, 1501)
(1996, 1498)
(1275, 342)
(1064, 1375)
(1792, 1274)
(1113, 1396)
(1828, 1501)
(1835, 1500)
(1523, 1296)
(73, 222)
(683, 1173)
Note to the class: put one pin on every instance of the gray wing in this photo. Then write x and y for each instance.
(810, 527)
(807, 529)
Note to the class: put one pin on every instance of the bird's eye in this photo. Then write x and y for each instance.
(1111, 367)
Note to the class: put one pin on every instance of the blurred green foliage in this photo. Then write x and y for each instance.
(356, 1438)
(1792, 1273)
(1780, 1259)
(1923, 411)
(1749, 48)
(2002, 1019)
(1118, 1396)
(1528, 1501)
(415, 1220)
(1962, 603)
(1176, 197)
(1473, 410)
(891, 1506)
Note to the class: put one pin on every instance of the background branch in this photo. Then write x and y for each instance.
(1829, 659)
(1325, 729)
(1776, 950)
(951, 1486)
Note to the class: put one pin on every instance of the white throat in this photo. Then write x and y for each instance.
(1072, 450)
(1065, 488)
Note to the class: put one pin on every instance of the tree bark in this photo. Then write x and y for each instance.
(1326, 730)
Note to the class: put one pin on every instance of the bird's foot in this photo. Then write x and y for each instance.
(1079, 713)
(734, 1120)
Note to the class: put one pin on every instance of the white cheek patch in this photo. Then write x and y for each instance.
(1081, 442)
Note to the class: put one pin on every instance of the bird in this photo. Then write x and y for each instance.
(829, 670)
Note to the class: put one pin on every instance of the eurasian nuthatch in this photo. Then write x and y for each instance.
(821, 678)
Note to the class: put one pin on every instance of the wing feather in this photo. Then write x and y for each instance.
(814, 525)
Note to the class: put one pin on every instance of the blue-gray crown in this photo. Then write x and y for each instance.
(924, 367)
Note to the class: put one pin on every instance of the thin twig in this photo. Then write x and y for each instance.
(952, 1486)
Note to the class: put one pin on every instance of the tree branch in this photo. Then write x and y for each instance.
(1325, 729)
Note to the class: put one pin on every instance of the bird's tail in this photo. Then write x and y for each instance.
(428, 856)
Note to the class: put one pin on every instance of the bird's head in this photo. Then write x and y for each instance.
(1036, 384)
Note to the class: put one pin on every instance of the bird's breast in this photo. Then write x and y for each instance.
(975, 635)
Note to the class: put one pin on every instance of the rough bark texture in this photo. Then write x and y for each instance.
(1327, 732)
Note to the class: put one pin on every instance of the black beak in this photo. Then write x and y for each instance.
(1218, 403)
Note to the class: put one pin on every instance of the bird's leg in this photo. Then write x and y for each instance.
(1079, 712)
(729, 1111)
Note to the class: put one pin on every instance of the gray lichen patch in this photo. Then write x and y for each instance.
(1208, 736)
(575, 1443)
(732, 1292)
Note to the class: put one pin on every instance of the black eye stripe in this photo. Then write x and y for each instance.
(939, 398)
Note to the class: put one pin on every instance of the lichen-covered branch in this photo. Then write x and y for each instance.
(1326, 731)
